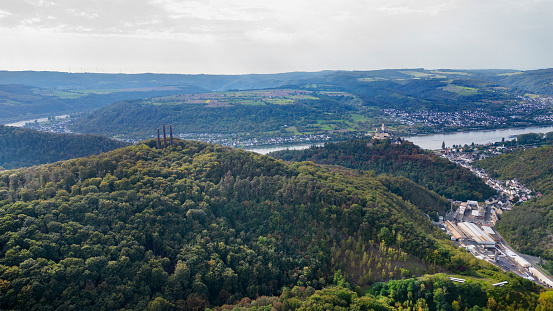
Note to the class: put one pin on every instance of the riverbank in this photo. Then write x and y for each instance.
(434, 141)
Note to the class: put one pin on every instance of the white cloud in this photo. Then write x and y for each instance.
(261, 36)
(4, 13)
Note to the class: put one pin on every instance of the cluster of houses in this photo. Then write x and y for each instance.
(59, 126)
(445, 119)
(511, 190)
(527, 105)
(234, 140)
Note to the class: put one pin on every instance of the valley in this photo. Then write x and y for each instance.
(196, 225)
(511, 194)
(235, 110)
(350, 223)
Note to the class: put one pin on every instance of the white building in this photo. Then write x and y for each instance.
(476, 234)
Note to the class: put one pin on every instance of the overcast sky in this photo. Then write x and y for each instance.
(259, 36)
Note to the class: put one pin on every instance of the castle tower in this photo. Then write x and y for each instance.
(382, 133)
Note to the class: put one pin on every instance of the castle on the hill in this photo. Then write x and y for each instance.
(382, 133)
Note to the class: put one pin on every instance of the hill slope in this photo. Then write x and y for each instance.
(533, 81)
(257, 114)
(198, 225)
(406, 160)
(23, 147)
(527, 227)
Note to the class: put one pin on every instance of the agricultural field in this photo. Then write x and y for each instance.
(424, 75)
(246, 98)
(76, 93)
(461, 90)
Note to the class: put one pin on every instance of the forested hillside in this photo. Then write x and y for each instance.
(21, 147)
(199, 225)
(426, 200)
(418, 89)
(527, 227)
(431, 292)
(533, 81)
(267, 113)
(405, 160)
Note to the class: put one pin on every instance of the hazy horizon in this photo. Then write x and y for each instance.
(271, 73)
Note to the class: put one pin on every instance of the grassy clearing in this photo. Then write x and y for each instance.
(418, 74)
(451, 73)
(531, 95)
(358, 117)
(297, 97)
(72, 94)
(292, 129)
(252, 103)
(65, 95)
(461, 90)
(325, 127)
(509, 74)
(280, 101)
(371, 79)
(106, 91)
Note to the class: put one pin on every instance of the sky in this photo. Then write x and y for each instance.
(260, 36)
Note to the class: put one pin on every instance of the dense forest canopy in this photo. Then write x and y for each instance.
(405, 160)
(431, 292)
(199, 225)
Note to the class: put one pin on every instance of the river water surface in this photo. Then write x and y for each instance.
(434, 141)
(267, 149)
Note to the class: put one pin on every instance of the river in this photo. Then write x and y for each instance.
(267, 149)
(434, 141)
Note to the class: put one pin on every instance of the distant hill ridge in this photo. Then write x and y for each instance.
(64, 80)
(530, 80)
(23, 102)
